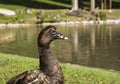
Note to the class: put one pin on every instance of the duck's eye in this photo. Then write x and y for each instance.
(53, 32)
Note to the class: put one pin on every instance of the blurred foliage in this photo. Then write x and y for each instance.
(102, 16)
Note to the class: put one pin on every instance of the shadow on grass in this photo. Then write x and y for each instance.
(47, 4)
(63, 1)
(115, 5)
(37, 4)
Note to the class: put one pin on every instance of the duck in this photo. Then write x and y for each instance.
(49, 71)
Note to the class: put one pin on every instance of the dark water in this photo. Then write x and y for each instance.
(88, 45)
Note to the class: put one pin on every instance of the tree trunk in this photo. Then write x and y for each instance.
(92, 5)
(110, 4)
(102, 4)
(74, 5)
(105, 4)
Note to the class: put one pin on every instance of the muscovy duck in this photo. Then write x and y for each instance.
(49, 71)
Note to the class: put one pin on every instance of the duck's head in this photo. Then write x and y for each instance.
(49, 34)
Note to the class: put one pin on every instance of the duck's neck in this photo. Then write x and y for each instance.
(48, 62)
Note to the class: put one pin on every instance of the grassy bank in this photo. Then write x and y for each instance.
(44, 4)
(11, 65)
(51, 9)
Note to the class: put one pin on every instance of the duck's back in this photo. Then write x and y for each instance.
(36, 77)
(30, 77)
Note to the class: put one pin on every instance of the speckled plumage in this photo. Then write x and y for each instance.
(50, 71)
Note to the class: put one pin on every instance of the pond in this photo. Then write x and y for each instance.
(88, 45)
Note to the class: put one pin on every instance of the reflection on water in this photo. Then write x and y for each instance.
(88, 45)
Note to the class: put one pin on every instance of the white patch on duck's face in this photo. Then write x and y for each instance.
(57, 35)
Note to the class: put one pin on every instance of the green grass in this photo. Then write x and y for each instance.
(47, 16)
(115, 14)
(21, 5)
(46, 5)
(42, 4)
(17, 18)
(10, 65)
(37, 4)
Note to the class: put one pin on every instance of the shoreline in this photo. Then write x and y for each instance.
(109, 21)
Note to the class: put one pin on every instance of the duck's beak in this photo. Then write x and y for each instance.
(61, 36)
(65, 38)
(58, 35)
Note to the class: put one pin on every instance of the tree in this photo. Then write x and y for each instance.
(74, 5)
(75, 8)
(92, 5)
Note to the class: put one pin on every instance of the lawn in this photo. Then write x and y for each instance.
(37, 4)
(43, 4)
(10, 65)
(51, 7)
